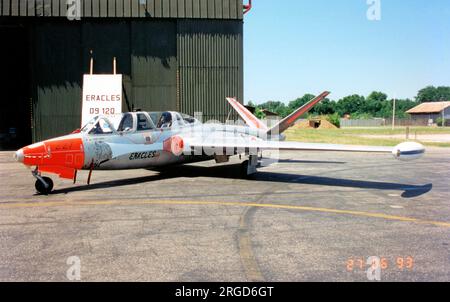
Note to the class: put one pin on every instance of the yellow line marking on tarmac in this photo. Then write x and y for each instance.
(249, 263)
(230, 204)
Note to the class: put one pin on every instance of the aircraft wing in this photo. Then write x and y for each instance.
(408, 150)
(233, 145)
(292, 146)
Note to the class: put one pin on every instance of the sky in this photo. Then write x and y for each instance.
(293, 47)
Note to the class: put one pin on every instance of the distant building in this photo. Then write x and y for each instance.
(271, 118)
(270, 115)
(252, 109)
(431, 111)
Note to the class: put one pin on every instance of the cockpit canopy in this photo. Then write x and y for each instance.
(137, 121)
(170, 119)
(165, 120)
(99, 125)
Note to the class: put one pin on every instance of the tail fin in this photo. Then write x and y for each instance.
(251, 120)
(289, 121)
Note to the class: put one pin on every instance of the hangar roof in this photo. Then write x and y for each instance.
(432, 107)
(203, 9)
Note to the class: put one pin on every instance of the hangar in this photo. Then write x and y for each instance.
(183, 55)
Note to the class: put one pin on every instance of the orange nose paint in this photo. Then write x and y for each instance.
(61, 157)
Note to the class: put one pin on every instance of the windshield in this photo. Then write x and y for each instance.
(143, 122)
(102, 127)
(89, 125)
(126, 124)
(165, 121)
(155, 117)
(98, 125)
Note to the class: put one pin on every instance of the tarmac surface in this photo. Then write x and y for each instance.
(311, 217)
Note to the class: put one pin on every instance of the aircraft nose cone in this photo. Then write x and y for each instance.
(18, 156)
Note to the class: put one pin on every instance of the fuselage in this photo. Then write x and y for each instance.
(130, 148)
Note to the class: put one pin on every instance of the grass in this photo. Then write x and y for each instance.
(354, 136)
(397, 130)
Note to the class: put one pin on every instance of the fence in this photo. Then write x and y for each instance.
(362, 123)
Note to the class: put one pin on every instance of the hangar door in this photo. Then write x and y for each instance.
(15, 115)
(154, 65)
(57, 73)
(146, 56)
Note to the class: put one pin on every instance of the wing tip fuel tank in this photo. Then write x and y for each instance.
(408, 151)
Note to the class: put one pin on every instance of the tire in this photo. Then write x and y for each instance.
(40, 187)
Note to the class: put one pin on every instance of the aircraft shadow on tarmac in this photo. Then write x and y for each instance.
(233, 172)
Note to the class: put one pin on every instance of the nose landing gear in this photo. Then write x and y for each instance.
(43, 185)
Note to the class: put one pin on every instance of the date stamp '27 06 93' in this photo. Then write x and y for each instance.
(374, 266)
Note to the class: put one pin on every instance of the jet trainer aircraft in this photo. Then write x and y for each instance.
(154, 140)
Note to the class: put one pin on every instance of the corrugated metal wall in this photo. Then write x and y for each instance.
(180, 64)
(210, 56)
(57, 67)
(205, 9)
(154, 65)
(146, 56)
(15, 111)
(183, 55)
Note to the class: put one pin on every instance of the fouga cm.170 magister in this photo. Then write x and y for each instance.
(154, 140)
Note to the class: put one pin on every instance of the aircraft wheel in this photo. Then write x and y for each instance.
(40, 187)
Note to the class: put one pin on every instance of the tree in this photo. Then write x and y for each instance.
(325, 107)
(377, 96)
(403, 106)
(352, 104)
(295, 104)
(376, 104)
(259, 113)
(251, 104)
(433, 94)
(386, 109)
(373, 104)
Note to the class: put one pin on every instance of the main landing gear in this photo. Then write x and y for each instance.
(43, 185)
(248, 167)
